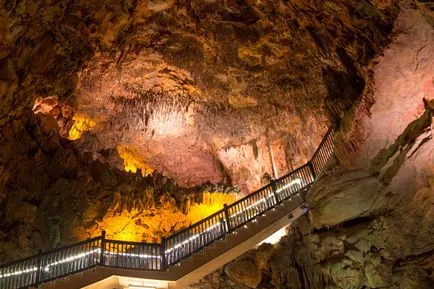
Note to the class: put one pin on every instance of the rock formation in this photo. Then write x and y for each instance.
(371, 218)
(230, 92)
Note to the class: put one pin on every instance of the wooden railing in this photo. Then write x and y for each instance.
(100, 251)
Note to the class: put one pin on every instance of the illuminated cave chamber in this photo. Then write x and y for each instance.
(143, 223)
(137, 104)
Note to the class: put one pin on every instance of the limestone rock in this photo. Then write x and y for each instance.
(205, 90)
(363, 245)
(380, 234)
(377, 276)
(262, 255)
(346, 277)
(351, 196)
(304, 225)
(244, 272)
(283, 268)
(356, 256)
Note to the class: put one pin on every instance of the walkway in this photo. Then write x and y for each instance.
(182, 258)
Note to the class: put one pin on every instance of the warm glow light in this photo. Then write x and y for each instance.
(71, 258)
(294, 182)
(207, 199)
(263, 200)
(142, 225)
(80, 126)
(275, 238)
(168, 124)
(19, 272)
(151, 224)
(141, 256)
(133, 161)
(76, 257)
(140, 287)
(212, 202)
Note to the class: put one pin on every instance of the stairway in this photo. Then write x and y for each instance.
(196, 266)
(185, 256)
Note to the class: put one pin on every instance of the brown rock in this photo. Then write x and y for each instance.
(262, 255)
(346, 277)
(245, 272)
(350, 197)
(304, 225)
(17, 210)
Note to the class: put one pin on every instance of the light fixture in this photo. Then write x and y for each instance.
(142, 256)
(144, 286)
(141, 286)
(296, 181)
(179, 245)
(33, 269)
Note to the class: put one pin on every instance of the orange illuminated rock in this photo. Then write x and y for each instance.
(80, 126)
(133, 161)
(45, 105)
(61, 113)
(158, 221)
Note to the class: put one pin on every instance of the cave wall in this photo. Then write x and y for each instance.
(194, 85)
(371, 217)
(201, 90)
(182, 82)
(52, 194)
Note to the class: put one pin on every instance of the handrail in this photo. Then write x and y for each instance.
(99, 251)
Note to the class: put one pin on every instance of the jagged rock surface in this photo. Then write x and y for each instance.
(200, 89)
(371, 218)
(51, 194)
(203, 90)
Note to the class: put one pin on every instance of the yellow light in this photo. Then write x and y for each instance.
(211, 199)
(147, 225)
(212, 202)
(132, 161)
(81, 125)
(151, 224)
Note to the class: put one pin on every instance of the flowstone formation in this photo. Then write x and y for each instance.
(371, 217)
(202, 91)
(60, 196)
(216, 90)
(188, 92)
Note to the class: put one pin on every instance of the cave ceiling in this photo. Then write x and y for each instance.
(210, 91)
(198, 90)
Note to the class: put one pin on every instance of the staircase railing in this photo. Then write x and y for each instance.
(100, 251)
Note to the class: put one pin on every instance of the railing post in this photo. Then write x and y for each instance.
(222, 227)
(311, 169)
(228, 225)
(103, 233)
(39, 271)
(163, 264)
(274, 189)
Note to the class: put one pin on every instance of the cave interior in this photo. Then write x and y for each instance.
(138, 118)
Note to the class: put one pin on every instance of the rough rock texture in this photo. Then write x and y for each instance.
(202, 90)
(388, 250)
(371, 218)
(244, 272)
(199, 90)
(51, 194)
